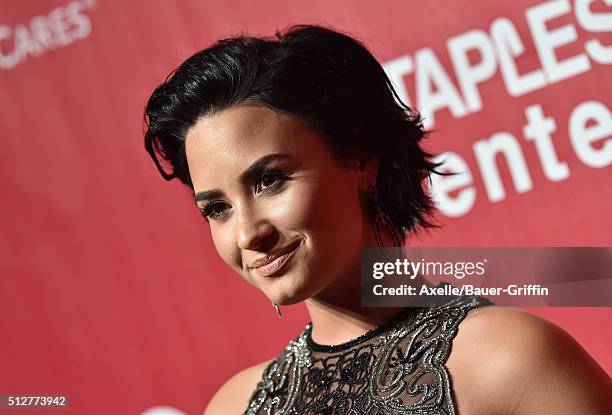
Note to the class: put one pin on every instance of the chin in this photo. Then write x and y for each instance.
(289, 289)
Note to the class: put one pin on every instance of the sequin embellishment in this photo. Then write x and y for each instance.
(395, 369)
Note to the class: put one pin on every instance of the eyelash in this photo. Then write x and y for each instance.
(279, 177)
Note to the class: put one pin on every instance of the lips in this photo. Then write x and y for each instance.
(273, 262)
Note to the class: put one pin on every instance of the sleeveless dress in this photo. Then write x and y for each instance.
(397, 368)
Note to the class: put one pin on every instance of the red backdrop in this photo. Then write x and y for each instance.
(111, 290)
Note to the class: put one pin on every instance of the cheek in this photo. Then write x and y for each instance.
(327, 212)
(222, 245)
(225, 244)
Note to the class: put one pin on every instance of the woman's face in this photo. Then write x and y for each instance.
(267, 182)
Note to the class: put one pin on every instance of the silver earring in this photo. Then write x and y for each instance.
(277, 309)
(382, 220)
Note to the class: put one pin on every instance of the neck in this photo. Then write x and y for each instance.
(336, 312)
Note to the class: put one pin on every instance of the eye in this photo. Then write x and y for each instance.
(270, 181)
(214, 210)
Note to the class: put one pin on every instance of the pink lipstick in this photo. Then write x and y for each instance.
(274, 263)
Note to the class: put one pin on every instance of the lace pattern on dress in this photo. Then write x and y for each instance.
(395, 369)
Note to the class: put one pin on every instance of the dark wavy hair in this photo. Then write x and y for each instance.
(314, 73)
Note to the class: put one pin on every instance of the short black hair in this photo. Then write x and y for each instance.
(319, 75)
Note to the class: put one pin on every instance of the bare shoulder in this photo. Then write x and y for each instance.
(232, 398)
(505, 360)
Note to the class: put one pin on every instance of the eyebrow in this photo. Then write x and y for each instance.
(251, 173)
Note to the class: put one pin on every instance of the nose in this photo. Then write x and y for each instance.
(252, 229)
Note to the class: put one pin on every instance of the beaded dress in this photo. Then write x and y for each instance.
(396, 368)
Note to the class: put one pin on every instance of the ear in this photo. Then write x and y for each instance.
(368, 171)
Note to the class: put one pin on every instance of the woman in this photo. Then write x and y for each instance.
(300, 154)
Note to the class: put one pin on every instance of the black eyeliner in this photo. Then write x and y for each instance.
(280, 175)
